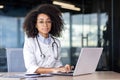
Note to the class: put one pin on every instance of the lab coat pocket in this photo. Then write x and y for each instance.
(50, 61)
(40, 61)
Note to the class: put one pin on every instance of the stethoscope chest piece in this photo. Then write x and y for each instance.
(42, 56)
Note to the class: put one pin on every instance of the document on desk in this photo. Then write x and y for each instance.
(1, 78)
(12, 76)
(1, 74)
(22, 76)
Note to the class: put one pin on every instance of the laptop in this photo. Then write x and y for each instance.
(87, 62)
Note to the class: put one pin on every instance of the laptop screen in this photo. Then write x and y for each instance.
(88, 60)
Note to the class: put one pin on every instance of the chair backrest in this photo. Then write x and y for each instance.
(15, 61)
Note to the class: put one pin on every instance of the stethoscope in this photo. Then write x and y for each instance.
(53, 46)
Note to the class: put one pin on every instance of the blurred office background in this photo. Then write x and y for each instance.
(93, 23)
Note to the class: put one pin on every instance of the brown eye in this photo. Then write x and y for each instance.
(49, 21)
(41, 22)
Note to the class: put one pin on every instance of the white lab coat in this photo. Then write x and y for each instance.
(32, 55)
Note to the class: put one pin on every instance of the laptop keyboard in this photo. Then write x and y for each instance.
(64, 73)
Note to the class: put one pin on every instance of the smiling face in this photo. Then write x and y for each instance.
(43, 24)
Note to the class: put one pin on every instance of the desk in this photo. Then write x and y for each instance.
(100, 75)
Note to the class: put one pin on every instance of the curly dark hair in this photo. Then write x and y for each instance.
(52, 11)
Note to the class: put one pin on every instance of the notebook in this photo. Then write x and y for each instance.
(87, 62)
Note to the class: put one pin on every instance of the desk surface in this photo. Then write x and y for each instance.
(100, 75)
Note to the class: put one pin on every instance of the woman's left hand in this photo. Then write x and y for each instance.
(67, 68)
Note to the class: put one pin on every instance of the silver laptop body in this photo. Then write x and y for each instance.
(87, 62)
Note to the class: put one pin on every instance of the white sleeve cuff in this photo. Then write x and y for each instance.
(32, 69)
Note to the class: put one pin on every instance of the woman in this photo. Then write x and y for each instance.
(41, 48)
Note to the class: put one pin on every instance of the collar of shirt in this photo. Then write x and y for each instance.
(44, 40)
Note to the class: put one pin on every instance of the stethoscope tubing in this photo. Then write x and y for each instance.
(53, 46)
